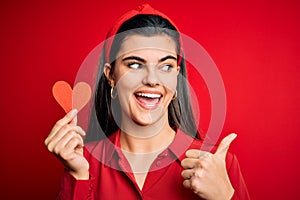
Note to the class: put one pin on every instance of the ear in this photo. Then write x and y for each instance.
(178, 69)
(108, 75)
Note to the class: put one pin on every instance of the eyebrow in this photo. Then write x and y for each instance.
(144, 61)
(134, 58)
(167, 57)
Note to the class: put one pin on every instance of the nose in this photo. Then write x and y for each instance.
(151, 78)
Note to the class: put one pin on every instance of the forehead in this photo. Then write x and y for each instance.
(138, 43)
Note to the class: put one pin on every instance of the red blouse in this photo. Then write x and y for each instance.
(111, 176)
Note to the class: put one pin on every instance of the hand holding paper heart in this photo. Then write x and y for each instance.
(205, 173)
(65, 142)
(70, 99)
(65, 139)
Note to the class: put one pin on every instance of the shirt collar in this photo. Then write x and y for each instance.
(178, 147)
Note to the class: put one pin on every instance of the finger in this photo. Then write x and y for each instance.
(225, 143)
(62, 122)
(65, 140)
(187, 183)
(55, 145)
(193, 184)
(71, 146)
(195, 153)
(74, 121)
(65, 120)
(64, 130)
(190, 163)
(188, 173)
(52, 142)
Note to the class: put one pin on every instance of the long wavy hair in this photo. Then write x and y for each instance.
(105, 115)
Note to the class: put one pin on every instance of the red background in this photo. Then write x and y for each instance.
(255, 44)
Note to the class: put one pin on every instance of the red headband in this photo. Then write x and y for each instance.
(143, 9)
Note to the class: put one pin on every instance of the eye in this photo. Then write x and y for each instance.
(135, 65)
(166, 67)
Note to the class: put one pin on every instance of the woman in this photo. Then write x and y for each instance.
(147, 147)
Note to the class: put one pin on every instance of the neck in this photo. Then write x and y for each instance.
(146, 139)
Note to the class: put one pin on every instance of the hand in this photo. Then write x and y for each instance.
(66, 143)
(205, 173)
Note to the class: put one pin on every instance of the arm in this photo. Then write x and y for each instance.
(65, 142)
(71, 188)
(236, 178)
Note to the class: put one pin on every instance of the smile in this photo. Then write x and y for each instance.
(148, 100)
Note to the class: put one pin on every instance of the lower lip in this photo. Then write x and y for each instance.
(147, 106)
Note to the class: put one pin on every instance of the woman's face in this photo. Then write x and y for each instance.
(145, 77)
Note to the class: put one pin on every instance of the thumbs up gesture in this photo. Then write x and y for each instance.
(205, 173)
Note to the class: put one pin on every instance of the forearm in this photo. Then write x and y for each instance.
(71, 188)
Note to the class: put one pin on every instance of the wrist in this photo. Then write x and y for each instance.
(81, 175)
(230, 193)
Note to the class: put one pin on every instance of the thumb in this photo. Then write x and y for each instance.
(73, 115)
(224, 144)
(74, 121)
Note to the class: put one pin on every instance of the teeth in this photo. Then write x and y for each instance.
(149, 95)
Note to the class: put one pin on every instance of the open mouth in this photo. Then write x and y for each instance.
(148, 100)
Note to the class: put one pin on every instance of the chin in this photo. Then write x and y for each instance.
(143, 121)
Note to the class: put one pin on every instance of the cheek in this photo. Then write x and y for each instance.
(126, 85)
(169, 81)
(128, 81)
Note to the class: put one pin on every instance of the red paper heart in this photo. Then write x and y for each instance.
(69, 99)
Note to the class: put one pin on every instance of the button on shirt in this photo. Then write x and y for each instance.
(111, 176)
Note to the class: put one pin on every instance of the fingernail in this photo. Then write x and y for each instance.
(234, 135)
(83, 132)
(73, 112)
(75, 120)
